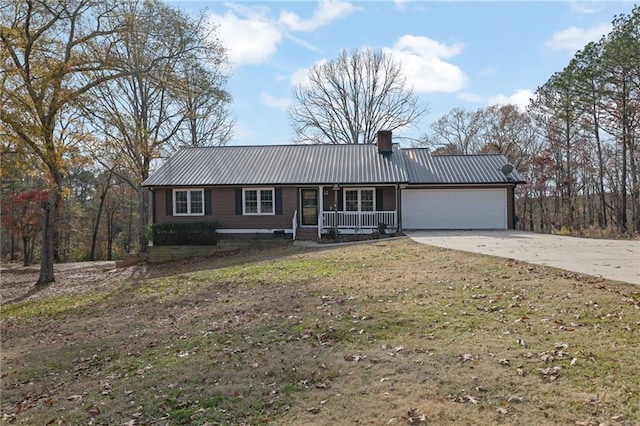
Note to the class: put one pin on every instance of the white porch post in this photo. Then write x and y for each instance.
(320, 210)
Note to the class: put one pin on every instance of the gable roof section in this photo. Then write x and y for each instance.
(280, 165)
(424, 168)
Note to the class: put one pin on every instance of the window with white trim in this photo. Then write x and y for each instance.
(359, 200)
(258, 201)
(188, 202)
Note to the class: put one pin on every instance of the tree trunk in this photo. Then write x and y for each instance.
(13, 247)
(110, 235)
(144, 218)
(94, 238)
(602, 217)
(635, 186)
(143, 194)
(623, 181)
(26, 260)
(48, 236)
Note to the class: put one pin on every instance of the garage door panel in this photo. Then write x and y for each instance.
(454, 209)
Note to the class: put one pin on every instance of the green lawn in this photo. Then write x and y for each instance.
(390, 332)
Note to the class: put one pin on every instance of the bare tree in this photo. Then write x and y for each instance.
(507, 130)
(457, 132)
(347, 100)
(178, 99)
(206, 120)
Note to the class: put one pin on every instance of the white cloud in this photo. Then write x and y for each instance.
(301, 75)
(421, 63)
(427, 47)
(251, 35)
(584, 6)
(520, 98)
(574, 38)
(270, 100)
(326, 12)
(248, 41)
(421, 59)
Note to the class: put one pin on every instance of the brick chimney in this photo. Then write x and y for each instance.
(384, 142)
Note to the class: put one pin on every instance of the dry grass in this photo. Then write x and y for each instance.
(390, 332)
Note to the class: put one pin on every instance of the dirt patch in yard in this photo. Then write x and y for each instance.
(17, 281)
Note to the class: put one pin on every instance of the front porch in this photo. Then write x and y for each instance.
(347, 223)
(346, 210)
(356, 222)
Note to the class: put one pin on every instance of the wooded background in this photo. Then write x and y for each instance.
(84, 115)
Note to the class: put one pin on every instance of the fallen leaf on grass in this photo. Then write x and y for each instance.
(546, 357)
(355, 357)
(413, 417)
(472, 399)
(466, 357)
(515, 398)
(8, 418)
(106, 388)
(314, 410)
(550, 373)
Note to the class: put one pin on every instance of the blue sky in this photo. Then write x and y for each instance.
(454, 54)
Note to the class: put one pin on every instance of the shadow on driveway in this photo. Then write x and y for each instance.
(612, 259)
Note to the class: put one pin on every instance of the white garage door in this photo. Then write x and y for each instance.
(454, 209)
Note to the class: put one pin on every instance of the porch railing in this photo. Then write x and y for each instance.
(358, 220)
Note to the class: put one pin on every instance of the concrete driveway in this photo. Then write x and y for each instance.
(611, 259)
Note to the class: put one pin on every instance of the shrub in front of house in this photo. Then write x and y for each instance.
(185, 234)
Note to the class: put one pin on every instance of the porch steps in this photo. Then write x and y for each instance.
(307, 234)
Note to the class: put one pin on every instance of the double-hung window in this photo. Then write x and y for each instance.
(188, 202)
(258, 201)
(362, 200)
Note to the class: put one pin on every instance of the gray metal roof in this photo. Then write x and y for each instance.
(425, 168)
(325, 164)
(280, 165)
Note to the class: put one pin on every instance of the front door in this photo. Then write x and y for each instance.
(309, 200)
